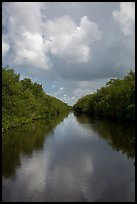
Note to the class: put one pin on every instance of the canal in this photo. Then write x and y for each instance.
(76, 158)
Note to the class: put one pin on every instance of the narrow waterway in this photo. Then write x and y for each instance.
(76, 159)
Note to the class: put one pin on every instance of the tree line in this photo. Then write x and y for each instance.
(115, 100)
(24, 101)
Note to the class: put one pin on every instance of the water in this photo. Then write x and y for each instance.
(77, 159)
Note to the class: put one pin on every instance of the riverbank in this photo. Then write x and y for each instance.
(16, 122)
(24, 101)
(115, 100)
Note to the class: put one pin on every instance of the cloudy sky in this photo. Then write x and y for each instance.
(71, 48)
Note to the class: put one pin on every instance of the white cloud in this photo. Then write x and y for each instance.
(72, 90)
(126, 17)
(5, 48)
(31, 51)
(61, 88)
(33, 37)
(41, 35)
(71, 42)
(24, 25)
(23, 16)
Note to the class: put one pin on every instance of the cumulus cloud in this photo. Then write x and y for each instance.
(23, 16)
(24, 27)
(5, 48)
(54, 45)
(71, 42)
(32, 51)
(34, 38)
(126, 17)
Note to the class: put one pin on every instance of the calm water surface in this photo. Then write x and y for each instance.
(76, 159)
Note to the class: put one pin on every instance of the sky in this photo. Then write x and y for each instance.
(71, 48)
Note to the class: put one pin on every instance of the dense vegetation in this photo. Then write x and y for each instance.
(24, 101)
(115, 100)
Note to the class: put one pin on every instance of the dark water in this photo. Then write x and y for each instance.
(78, 159)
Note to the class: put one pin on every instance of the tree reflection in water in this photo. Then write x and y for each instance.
(24, 140)
(120, 135)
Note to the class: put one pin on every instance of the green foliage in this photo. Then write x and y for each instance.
(24, 101)
(115, 100)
